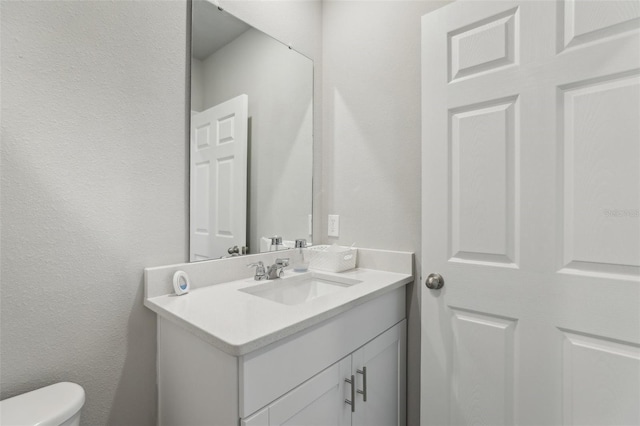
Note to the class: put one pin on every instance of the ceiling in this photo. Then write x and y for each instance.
(212, 29)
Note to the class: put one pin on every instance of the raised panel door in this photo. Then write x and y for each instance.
(531, 194)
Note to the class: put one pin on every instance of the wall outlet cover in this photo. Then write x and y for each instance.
(334, 225)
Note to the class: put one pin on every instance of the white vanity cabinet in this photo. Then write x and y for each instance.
(299, 379)
(378, 373)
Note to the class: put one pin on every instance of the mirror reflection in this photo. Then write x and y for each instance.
(251, 138)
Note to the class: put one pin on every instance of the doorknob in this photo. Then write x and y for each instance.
(237, 251)
(434, 281)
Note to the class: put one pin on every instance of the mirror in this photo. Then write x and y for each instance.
(251, 142)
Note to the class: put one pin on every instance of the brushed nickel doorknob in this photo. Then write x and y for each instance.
(434, 281)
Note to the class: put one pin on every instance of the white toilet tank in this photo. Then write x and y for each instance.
(55, 405)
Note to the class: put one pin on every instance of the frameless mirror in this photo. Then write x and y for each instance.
(251, 142)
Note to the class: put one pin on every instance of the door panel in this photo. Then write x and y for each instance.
(482, 46)
(475, 366)
(600, 383)
(531, 200)
(588, 21)
(600, 147)
(483, 195)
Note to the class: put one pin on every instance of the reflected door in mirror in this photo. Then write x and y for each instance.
(218, 218)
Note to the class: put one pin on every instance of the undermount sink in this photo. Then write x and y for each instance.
(299, 289)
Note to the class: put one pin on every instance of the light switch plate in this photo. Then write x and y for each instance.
(334, 225)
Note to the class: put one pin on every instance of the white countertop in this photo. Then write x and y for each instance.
(239, 323)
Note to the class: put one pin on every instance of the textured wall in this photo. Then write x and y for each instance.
(93, 190)
(372, 142)
(94, 187)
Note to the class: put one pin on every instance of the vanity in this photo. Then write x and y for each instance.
(309, 348)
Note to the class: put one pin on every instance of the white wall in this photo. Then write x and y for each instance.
(372, 146)
(279, 85)
(93, 190)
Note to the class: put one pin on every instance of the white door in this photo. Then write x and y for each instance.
(218, 192)
(531, 195)
(379, 368)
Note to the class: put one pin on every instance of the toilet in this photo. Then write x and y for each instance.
(55, 405)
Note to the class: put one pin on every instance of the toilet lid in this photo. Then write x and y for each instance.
(48, 406)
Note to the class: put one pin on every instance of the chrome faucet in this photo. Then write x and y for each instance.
(260, 271)
(277, 269)
(270, 273)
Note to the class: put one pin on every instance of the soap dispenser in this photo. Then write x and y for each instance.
(300, 264)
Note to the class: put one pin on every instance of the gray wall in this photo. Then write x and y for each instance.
(93, 190)
(372, 136)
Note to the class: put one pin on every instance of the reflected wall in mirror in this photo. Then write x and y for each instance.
(251, 137)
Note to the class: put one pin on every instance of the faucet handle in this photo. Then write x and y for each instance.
(260, 271)
(282, 262)
(277, 269)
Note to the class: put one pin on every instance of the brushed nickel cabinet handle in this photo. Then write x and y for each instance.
(352, 402)
(363, 392)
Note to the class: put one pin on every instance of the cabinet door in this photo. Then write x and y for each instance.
(261, 418)
(317, 402)
(385, 361)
